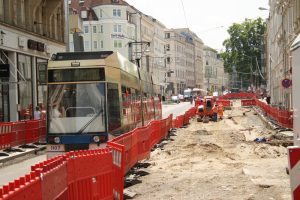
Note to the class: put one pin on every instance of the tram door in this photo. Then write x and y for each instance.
(113, 105)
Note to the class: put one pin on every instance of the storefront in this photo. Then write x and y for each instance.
(24, 89)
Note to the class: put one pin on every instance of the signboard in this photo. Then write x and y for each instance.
(4, 70)
(117, 35)
(286, 83)
(34, 45)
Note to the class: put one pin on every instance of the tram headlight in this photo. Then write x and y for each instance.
(57, 140)
(96, 138)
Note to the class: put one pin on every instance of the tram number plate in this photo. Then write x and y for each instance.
(55, 148)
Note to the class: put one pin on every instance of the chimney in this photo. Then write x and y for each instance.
(75, 5)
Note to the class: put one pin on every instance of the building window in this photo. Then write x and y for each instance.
(101, 28)
(167, 35)
(25, 89)
(95, 45)
(86, 29)
(101, 44)
(167, 47)
(100, 13)
(168, 60)
(117, 28)
(20, 13)
(86, 45)
(117, 44)
(4, 92)
(94, 29)
(116, 12)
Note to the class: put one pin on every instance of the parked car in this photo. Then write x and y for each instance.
(175, 99)
(181, 97)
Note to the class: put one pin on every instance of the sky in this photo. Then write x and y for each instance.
(209, 19)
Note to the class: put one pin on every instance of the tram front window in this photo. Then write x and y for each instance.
(76, 108)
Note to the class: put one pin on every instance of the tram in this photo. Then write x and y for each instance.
(96, 96)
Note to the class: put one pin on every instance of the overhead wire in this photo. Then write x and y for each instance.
(182, 5)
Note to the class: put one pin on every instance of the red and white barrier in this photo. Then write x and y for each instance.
(294, 170)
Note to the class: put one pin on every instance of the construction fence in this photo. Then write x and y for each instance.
(93, 174)
(14, 134)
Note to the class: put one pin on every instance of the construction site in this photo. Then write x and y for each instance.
(242, 156)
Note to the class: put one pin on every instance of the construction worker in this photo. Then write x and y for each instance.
(215, 113)
(220, 110)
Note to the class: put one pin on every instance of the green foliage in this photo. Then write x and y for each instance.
(244, 47)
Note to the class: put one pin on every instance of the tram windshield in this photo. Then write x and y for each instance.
(76, 108)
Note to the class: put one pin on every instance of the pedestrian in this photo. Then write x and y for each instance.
(215, 113)
(220, 111)
(37, 113)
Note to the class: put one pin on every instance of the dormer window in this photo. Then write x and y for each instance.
(83, 14)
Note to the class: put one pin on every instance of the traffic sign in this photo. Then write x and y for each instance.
(286, 83)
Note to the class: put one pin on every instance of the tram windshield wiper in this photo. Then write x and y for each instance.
(89, 122)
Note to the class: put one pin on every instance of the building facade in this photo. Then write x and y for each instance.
(30, 32)
(108, 26)
(153, 58)
(283, 26)
(184, 52)
(215, 79)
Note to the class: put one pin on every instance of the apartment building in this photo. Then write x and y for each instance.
(30, 32)
(283, 26)
(110, 25)
(184, 52)
(215, 79)
(153, 57)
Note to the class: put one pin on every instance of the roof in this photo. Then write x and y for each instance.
(89, 4)
(93, 3)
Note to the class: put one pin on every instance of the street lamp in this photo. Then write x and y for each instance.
(262, 8)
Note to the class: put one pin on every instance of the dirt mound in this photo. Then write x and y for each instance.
(211, 148)
(202, 132)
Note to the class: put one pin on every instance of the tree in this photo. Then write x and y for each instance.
(244, 48)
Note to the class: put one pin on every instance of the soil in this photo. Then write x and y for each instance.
(216, 161)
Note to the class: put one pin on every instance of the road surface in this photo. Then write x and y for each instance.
(176, 109)
(217, 161)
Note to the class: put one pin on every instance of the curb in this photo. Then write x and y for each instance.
(20, 156)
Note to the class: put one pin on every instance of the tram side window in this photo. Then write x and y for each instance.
(113, 101)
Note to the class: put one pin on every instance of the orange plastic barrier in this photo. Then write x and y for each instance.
(27, 187)
(284, 118)
(89, 174)
(18, 133)
(248, 102)
(155, 132)
(118, 153)
(179, 121)
(225, 103)
(241, 95)
(32, 131)
(53, 171)
(5, 135)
